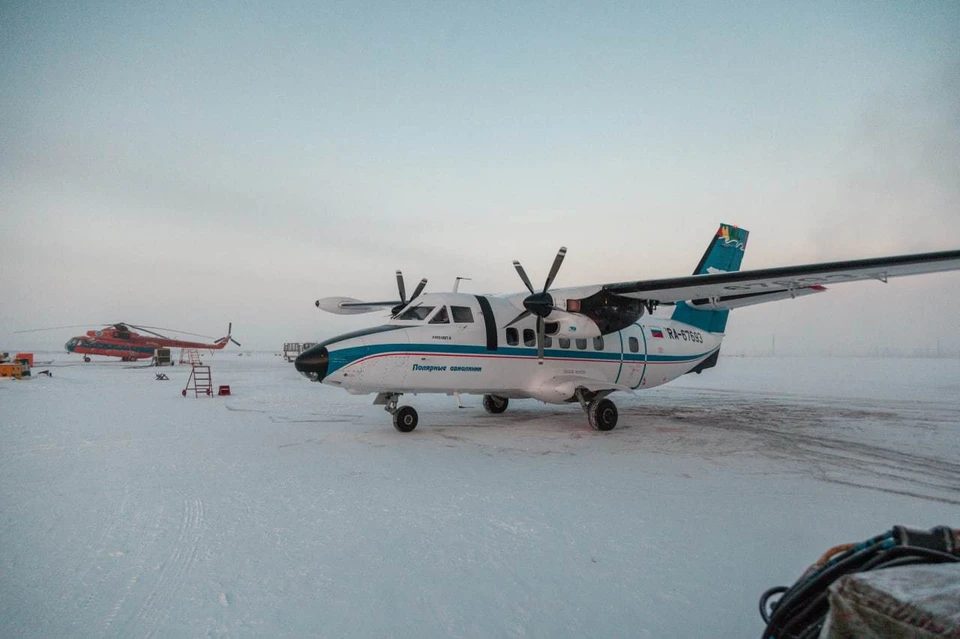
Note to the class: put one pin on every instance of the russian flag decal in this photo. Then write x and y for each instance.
(656, 332)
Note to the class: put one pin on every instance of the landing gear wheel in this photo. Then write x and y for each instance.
(494, 404)
(86, 359)
(602, 414)
(405, 419)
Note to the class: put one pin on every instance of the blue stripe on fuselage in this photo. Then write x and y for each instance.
(345, 357)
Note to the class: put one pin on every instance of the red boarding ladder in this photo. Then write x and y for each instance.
(202, 382)
(190, 356)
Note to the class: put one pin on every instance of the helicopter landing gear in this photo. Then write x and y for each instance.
(495, 404)
(601, 412)
(405, 418)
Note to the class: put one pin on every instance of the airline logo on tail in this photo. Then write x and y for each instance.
(731, 235)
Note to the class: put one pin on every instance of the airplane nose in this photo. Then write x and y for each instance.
(313, 363)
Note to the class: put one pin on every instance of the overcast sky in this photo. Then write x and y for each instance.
(190, 166)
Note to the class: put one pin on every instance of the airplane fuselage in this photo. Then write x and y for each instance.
(417, 353)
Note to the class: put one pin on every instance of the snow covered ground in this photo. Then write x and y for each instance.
(291, 508)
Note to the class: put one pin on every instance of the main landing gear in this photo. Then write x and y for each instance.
(405, 418)
(601, 412)
(494, 404)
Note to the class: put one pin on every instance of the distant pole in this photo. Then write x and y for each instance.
(773, 344)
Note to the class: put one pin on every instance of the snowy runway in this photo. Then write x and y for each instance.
(291, 508)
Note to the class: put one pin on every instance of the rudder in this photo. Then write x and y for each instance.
(723, 255)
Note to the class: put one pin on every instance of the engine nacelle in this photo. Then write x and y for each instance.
(609, 312)
(572, 326)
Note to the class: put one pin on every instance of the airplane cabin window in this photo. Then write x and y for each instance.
(462, 314)
(513, 337)
(582, 344)
(441, 317)
(598, 343)
(564, 342)
(547, 341)
(529, 337)
(634, 345)
(417, 313)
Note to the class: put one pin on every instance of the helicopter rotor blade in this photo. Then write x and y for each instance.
(171, 330)
(142, 328)
(52, 328)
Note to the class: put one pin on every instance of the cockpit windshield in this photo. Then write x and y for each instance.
(416, 313)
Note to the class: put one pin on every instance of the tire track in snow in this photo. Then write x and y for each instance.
(91, 592)
(155, 608)
(797, 433)
(146, 542)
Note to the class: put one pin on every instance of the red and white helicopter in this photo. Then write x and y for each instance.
(120, 340)
(574, 344)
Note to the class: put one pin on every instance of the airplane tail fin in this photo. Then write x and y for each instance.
(723, 255)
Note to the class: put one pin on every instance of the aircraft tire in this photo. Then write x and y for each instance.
(602, 414)
(494, 404)
(405, 419)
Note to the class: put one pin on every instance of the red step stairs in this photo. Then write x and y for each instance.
(201, 380)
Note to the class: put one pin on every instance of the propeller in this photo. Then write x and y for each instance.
(230, 333)
(403, 293)
(539, 304)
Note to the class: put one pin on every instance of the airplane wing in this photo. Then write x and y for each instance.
(743, 288)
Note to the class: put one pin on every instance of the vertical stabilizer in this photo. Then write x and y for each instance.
(723, 255)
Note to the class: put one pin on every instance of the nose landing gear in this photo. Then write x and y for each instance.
(405, 418)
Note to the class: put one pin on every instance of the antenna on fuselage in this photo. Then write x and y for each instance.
(456, 284)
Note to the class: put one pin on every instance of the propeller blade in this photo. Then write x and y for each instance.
(235, 341)
(540, 335)
(402, 288)
(557, 261)
(419, 289)
(518, 318)
(523, 276)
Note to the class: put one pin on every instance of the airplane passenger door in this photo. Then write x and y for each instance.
(634, 357)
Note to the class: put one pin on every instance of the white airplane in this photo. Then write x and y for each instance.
(573, 344)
